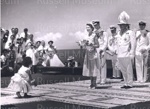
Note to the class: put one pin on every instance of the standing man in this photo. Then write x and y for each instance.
(102, 39)
(125, 49)
(25, 34)
(142, 48)
(16, 30)
(30, 52)
(112, 46)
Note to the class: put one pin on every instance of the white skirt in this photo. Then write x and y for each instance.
(19, 84)
(55, 61)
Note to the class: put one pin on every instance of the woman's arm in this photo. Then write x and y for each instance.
(55, 50)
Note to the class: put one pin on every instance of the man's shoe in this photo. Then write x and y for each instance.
(123, 87)
(128, 87)
(26, 95)
(118, 78)
(112, 78)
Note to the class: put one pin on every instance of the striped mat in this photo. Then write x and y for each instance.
(106, 96)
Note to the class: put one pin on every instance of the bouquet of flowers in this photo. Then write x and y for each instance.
(83, 43)
(87, 44)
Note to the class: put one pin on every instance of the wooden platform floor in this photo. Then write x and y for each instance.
(76, 94)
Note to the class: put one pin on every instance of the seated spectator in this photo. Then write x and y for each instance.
(12, 56)
(6, 69)
(71, 62)
(41, 62)
(3, 57)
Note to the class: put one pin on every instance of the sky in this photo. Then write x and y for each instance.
(64, 21)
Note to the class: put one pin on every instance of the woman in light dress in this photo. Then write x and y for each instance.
(41, 50)
(52, 58)
(91, 66)
(22, 81)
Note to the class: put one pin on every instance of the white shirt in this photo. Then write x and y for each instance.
(3, 58)
(23, 35)
(126, 44)
(142, 42)
(31, 53)
(112, 43)
(103, 40)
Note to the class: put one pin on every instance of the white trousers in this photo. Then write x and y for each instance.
(141, 68)
(116, 72)
(101, 77)
(125, 65)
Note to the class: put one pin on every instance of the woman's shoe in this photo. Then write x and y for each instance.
(90, 87)
(18, 95)
(93, 87)
(26, 95)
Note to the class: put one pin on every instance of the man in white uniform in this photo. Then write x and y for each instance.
(11, 32)
(126, 42)
(25, 34)
(102, 39)
(142, 48)
(31, 53)
(112, 46)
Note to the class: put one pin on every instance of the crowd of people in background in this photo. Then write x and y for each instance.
(15, 47)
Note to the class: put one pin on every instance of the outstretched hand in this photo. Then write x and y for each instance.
(33, 82)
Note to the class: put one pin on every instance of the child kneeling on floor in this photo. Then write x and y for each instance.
(22, 81)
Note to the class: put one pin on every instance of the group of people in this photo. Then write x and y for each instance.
(15, 47)
(127, 47)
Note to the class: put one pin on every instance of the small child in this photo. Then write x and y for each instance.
(22, 80)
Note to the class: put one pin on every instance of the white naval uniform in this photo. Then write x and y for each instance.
(102, 46)
(31, 53)
(142, 43)
(22, 35)
(7, 45)
(125, 54)
(112, 46)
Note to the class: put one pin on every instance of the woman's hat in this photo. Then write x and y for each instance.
(70, 58)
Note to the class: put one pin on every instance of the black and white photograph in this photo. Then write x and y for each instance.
(75, 54)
